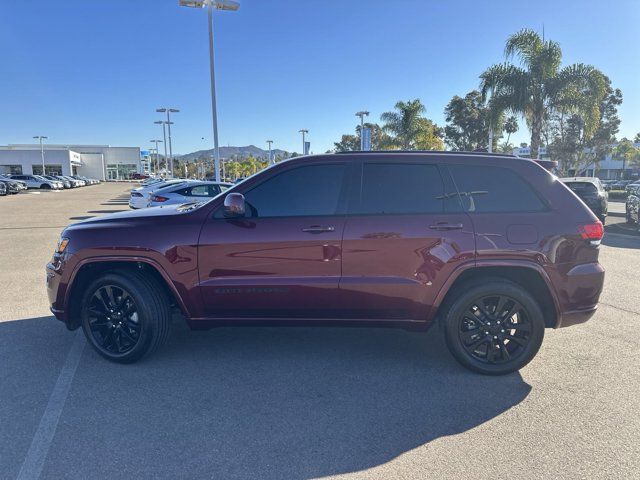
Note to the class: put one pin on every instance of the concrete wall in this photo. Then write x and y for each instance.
(89, 160)
(92, 165)
(28, 158)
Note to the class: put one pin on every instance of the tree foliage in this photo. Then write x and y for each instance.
(539, 86)
(403, 128)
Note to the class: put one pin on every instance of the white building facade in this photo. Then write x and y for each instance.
(606, 169)
(103, 162)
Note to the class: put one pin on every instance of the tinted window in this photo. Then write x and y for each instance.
(396, 188)
(303, 191)
(494, 189)
(198, 191)
(582, 187)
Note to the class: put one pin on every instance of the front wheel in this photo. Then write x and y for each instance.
(494, 328)
(125, 316)
(44, 186)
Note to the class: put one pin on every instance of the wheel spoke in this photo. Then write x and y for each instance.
(470, 334)
(502, 300)
(127, 336)
(515, 308)
(111, 299)
(520, 341)
(505, 352)
(491, 351)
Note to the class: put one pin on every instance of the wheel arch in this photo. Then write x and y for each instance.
(89, 269)
(527, 275)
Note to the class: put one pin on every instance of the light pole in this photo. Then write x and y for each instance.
(169, 123)
(41, 138)
(303, 131)
(271, 162)
(210, 5)
(157, 154)
(164, 135)
(362, 114)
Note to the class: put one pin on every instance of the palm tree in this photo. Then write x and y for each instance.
(540, 85)
(405, 124)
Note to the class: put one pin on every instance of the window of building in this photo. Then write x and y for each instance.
(494, 189)
(11, 169)
(400, 188)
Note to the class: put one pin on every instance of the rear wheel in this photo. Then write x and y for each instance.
(44, 186)
(125, 316)
(494, 328)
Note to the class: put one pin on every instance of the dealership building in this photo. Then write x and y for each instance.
(95, 161)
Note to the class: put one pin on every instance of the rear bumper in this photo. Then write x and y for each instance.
(576, 317)
(578, 294)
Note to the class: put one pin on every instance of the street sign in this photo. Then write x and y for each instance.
(307, 147)
(366, 139)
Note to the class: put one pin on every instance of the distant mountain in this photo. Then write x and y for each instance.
(233, 152)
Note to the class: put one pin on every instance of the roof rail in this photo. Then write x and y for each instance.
(436, 152)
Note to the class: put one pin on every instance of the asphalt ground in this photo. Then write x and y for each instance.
(301, 403)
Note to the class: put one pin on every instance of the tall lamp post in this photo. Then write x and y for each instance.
(362, 114)
(41, 138)
(164, 135)
(169, 111)
(157, 154)
(210, 5)
(271, 162)
(303, 131)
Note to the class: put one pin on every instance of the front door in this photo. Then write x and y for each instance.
(404, 237)
(283, 259)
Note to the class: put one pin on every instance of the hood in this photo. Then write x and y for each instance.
(135, 216)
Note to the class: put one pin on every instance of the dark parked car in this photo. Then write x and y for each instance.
(11, 186)
(591, 192)
(492, 248)
(632, 207)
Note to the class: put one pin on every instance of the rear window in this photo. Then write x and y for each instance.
(494, 190)
(396, 188)
(582, 187)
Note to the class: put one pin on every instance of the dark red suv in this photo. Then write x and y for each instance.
(492, 248)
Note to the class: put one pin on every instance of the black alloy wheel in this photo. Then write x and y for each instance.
(494, 329)
(125, 315)
(492, 326)
(113, 319)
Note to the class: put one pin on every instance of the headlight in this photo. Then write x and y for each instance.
(62, 245)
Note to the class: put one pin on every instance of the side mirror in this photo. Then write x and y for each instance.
(234, 205)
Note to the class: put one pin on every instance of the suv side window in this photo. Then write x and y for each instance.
(486, 189)
(311, 190)
(400, 188)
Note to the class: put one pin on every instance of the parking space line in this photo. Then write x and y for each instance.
(37, 454)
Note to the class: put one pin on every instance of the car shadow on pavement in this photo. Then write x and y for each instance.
(106, 211)
(621, 241)
(268, 403)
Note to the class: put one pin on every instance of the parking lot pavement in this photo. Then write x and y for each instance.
(302, 403)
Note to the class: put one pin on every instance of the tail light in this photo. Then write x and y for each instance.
(158, 198)
(592, 232)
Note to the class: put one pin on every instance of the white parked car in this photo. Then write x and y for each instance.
(191, 192)
(140, 196)
(36, 181)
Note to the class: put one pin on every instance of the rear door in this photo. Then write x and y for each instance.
(404, 237)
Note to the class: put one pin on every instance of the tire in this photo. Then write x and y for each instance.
(44, 186)
(130, 326)
(478, 341)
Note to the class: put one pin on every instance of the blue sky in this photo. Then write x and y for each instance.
(94, 72)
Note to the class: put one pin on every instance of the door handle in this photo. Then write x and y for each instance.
(318, 229)
(446, 226)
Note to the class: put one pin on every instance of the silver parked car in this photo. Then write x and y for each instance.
(36, 181)
(190, 192)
